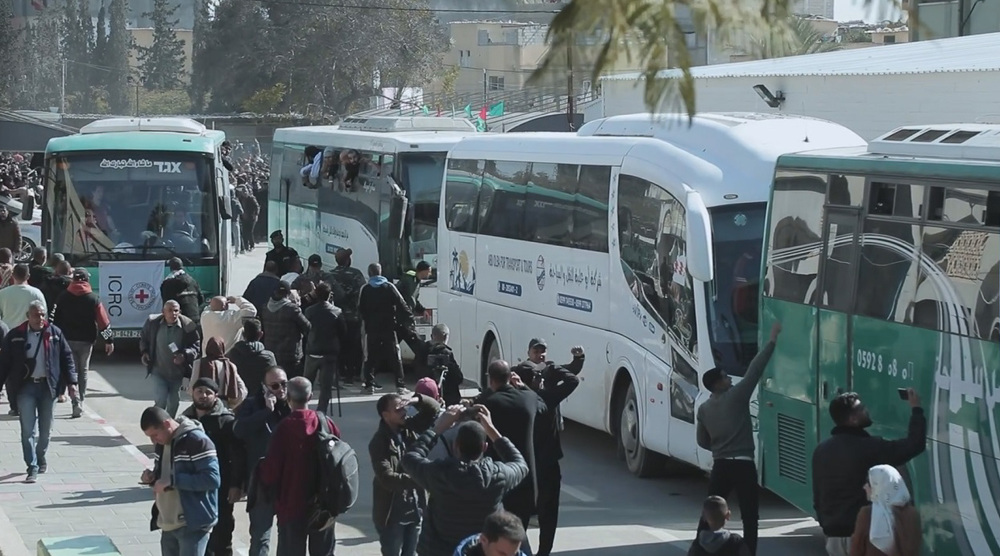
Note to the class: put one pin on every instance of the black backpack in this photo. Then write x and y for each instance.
(337, 484)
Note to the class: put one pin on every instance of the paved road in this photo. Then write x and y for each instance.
(605, 511)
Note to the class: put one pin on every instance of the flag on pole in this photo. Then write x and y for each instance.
(480, 124)
(483, 113)
(425, 110)
(454, 114)
(496, 110)
(468, 111)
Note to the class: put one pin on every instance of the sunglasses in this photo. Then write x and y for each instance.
(278, 385)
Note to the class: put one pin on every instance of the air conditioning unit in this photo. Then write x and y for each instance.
(168, 125)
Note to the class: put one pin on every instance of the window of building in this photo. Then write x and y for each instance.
(495, 83)
(653, 238)
(484, 37)
(796, 236)
(889, 39)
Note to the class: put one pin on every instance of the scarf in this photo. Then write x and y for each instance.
(887, 491)
(216, 366)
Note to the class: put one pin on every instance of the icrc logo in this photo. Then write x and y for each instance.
(142, 296)
(540, 273)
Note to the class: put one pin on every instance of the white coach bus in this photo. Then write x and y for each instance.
(638, 238)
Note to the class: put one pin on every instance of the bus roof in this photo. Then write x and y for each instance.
(207, 142)
(403, 141)
(727, 158)
(861, 161)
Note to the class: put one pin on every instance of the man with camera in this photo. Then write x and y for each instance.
(444, 368)
(553, 383)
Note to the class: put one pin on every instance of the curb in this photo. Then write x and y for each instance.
(11, 543)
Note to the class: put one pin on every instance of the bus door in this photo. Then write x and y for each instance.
(837, 289)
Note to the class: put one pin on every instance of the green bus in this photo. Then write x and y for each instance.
(125, 195)
(883, 264)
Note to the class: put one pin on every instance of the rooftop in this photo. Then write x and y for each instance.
(959, 54)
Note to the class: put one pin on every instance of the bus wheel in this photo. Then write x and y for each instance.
(492, 354)
(640, 461)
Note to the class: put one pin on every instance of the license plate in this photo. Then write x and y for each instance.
(127, 333)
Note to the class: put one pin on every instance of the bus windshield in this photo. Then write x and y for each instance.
(737, 236)
(422, 175)
(132, 205)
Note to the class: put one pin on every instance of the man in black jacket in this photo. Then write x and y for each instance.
(397, 501)
(284, 327)
(514, 409)
(554, 384)
(841, 464)
(80, 314)
(347, 282)
(323, 344)
(39, 272)
(441, 362)
(251, 358)
(218, 422)
(256, 419)
(462, 490)
(179, 286)
(284, 257)
(384, 313)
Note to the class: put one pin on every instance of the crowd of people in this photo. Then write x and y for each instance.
(248, 175)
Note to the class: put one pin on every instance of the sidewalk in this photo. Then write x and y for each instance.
(91, 487)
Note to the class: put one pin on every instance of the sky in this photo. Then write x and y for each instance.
(849, 10)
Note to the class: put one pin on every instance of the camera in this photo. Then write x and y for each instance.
(438, 360)
(469, 414)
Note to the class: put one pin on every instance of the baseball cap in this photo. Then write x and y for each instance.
(342, 254)
(537, 342)
(315, 260)
(206, 383)
(427, 387)
(283, 289)
(81, 275)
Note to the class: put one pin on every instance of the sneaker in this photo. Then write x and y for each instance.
(77, 411)
(32, 476)
(13, 413)
(42, 468)
(401, 389)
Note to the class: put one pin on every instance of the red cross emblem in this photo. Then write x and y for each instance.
(678, 267)
(142, 296)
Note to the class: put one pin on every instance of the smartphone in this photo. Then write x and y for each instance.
(904, 393)
(173, 347)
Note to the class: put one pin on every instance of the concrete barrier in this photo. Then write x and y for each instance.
(91, 545)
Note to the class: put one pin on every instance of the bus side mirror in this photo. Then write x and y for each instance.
(699, 229)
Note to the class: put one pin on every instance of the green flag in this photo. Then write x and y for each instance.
(468, 111)
(425, 110)
(496, 110)
(480, 124)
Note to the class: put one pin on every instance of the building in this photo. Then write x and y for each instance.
(822, 8)
(143, 38)
(954, 18)
(869, 90)
(890, 35)
(28, 9)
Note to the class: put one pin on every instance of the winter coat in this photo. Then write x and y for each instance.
(179, 286)
(252, 361)
(10, 236)
(290, 468)
(255, 424)
(840, 470)
(218, 424)
(78, 311)
(284, 327)
(386, 453)
(220, 369)
(194, 473)
(460, 494)
(383, 311)
(58, 357)
(260, 289)
(190, 344)
(327, 331)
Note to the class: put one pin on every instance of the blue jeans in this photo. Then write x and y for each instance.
(36, 404)
(167, 393)
(295, 536)
(184, 542)
(399, 539)
(261, 522)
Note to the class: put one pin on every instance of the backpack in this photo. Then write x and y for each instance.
(337, 465)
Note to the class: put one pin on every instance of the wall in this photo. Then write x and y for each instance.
(868, 105)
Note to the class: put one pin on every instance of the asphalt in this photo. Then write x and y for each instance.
(92, 488)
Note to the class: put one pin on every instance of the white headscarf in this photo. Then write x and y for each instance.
(888, 490)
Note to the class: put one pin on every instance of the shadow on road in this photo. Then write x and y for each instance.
(97, 441)
(102, 498)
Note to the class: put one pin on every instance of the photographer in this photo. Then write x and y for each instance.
(444, 368)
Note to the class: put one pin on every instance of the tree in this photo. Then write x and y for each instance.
(644, 30)
(100, 54)
(40, 63)
(118, 47)
(8, 50)
(265, 101)
(162, 63)
(803, 39)
(198, 87)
